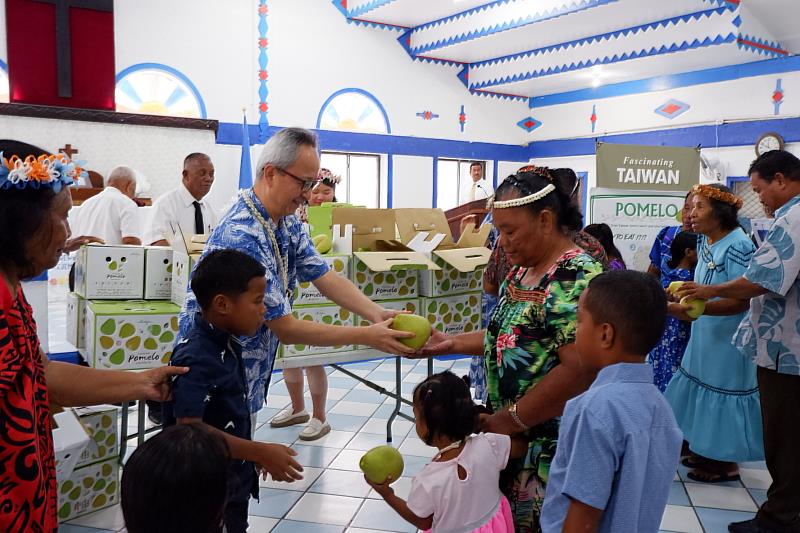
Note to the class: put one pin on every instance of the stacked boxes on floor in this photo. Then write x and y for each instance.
(93, 484)
(450, 296)
(120, 315)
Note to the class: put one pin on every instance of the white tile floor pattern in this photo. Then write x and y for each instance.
(333, 496)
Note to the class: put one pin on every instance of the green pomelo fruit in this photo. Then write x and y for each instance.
(167, 336)
(154, 329)
(126, 330)
(415, 324)
(697, 306)
(322, 243)
(150, 344)
(381, 463)
(675, 286)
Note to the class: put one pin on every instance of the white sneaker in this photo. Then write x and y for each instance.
(287, 418)
(315, 429)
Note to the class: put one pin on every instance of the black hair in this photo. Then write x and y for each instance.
(225, 272)
(23, 212)
(195, 156)
(724, 212)
(476, 163)
(683, 241)
(446, 406)
(530, 180)
(633, 302)
(770, 163)
(602, 232)
(176, 481)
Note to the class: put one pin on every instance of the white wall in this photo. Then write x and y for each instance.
(413, 181)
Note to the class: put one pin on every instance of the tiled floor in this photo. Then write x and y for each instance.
(333, 496)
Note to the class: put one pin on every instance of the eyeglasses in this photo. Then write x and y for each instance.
(305, 185)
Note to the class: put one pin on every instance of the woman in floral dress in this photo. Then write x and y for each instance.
(528, 347)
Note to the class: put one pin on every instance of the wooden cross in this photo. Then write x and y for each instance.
(68, 149)
(63, 40)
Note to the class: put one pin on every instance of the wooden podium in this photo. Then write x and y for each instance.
(455, 215)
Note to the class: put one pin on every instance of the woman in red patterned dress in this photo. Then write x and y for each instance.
(34, 202)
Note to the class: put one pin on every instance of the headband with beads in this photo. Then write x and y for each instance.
(716, 194)
(531, 197)
(43, 172)
(326, 177)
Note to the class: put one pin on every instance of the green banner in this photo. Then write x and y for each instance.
(647, 168)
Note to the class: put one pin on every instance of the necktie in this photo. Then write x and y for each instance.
(198, 218)
(472, 191)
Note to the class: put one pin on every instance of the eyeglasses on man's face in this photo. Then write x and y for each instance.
(305, 185)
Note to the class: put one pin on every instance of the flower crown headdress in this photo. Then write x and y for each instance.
(326, 177)
(716, 194)
(530, 196)
(43, 172)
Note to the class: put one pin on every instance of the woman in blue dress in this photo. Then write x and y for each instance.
(666, 356)
(714, 394)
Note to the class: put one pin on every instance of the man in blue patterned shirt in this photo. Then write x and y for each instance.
(261, 223)
(770, 334)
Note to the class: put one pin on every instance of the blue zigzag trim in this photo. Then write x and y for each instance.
(378, 25)
(369, 6)
(602, 37)
(499, 96)
(462, 14)
(573, 7)
(730, 38)
(762, 42)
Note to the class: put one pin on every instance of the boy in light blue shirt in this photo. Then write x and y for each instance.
(619, 443)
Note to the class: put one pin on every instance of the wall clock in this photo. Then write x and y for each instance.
(769, 141)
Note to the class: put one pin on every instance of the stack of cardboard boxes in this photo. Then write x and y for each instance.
(120, 315)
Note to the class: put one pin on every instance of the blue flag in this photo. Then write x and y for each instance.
(245, 168)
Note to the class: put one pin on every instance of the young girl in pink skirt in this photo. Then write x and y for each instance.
(459, 490)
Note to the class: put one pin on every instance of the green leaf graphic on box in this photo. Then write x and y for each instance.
(65, 511)
(432, 307)
(75, 493)
(111, 488)
(66, 486)
(108, 327)
(150, 344)
(327, 320)
(106, 342)
(167, 336)
(133, 343)
(154, 329)
(369, 289)
(112, 265)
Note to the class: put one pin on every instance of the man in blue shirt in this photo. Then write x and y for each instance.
(619, 443)
(770, 335)
(262, 224)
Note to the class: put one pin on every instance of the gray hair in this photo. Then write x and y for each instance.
(121, 175)
(282, 148)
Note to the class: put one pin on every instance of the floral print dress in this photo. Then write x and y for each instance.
(526, 329)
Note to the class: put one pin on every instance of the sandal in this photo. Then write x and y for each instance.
(695, 461)
(707, 476)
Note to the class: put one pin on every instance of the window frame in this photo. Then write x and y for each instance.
(348, 178)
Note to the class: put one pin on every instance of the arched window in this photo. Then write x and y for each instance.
(4, 90)
(353, 110)
(155, 89)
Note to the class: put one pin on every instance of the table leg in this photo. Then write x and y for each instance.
(123, 432)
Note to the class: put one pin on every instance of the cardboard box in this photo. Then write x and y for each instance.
(462, 262)
(453, 314)
(69, 442)
(157, 273)
(306, 293)
(182, 265)
(388, 270)
(100, 423)
(326, 314)
(76, 320)
(320, 218)
(109, 272)
(130, 335)
(89, 489)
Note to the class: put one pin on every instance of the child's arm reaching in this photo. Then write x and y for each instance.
(276, 459)
(581, 518)
(400, 505)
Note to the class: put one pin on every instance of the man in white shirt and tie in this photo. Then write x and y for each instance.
(185, 207)
(112, 215)
(478, 188)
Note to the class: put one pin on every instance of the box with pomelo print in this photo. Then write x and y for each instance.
(109, 272)
(306, 293)
(157, 273)
(453, 314)
(324, 314)
(130, 335)
(100, 422)
(88, 489)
